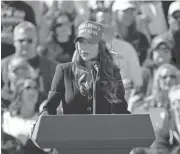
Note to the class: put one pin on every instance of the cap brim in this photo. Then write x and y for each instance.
(80, 37)
(86, 36)
(173, 11)
(160, 41)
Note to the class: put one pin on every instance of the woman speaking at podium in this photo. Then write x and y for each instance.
(91, 83)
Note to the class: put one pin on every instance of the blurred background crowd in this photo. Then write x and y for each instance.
(144, 36)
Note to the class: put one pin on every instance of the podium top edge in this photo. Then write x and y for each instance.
(141, 115)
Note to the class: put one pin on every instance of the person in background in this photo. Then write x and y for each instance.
(83, 13)
(103, 17)
(22, 114)
(52, 9)
(165, 77)
(158, 105)
(9, 144)
(125, 22)
(165, 5)
(18, 69)
(173, 34)
(59, 46)
(68, 7)
(153, 10)
(98, 7)
(12, 13)
(158, 54)
(168, 137)
(25, 42)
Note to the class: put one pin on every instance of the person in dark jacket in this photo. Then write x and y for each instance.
(73, 82)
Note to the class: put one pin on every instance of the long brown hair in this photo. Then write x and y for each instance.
(108, 74)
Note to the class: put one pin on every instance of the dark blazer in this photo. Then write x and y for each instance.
(64, 89)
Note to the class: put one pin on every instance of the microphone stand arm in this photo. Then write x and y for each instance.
(95, 78)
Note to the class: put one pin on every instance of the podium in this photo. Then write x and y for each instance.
(94, 134)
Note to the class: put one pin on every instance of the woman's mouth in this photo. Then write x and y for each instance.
(85, 54)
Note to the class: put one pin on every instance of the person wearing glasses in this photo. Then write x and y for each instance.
(173, 34)
(160, 53)
(25, 43)
(12, 13)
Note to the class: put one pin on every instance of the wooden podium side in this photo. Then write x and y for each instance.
(101, 134)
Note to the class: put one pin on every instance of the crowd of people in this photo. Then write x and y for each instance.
(143, 38)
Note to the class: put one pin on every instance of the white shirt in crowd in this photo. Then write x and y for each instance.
(128, 61)
(18, 127)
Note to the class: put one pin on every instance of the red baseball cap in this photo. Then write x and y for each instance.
(92, 31)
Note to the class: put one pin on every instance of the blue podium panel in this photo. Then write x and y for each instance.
(90, 133)
(94, 151)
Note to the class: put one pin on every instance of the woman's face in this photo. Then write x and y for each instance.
(63, 29)
(126, 17)
(87, 50)
(167, 79)
(162, 55)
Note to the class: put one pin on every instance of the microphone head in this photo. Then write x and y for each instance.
(95, 64)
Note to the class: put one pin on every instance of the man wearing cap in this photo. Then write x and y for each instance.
(168, 137)
(173, 34)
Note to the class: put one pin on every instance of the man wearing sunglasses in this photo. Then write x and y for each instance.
(173, 34)
(25, 43)
(12, 13)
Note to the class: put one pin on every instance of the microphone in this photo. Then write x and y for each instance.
(95, 65)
